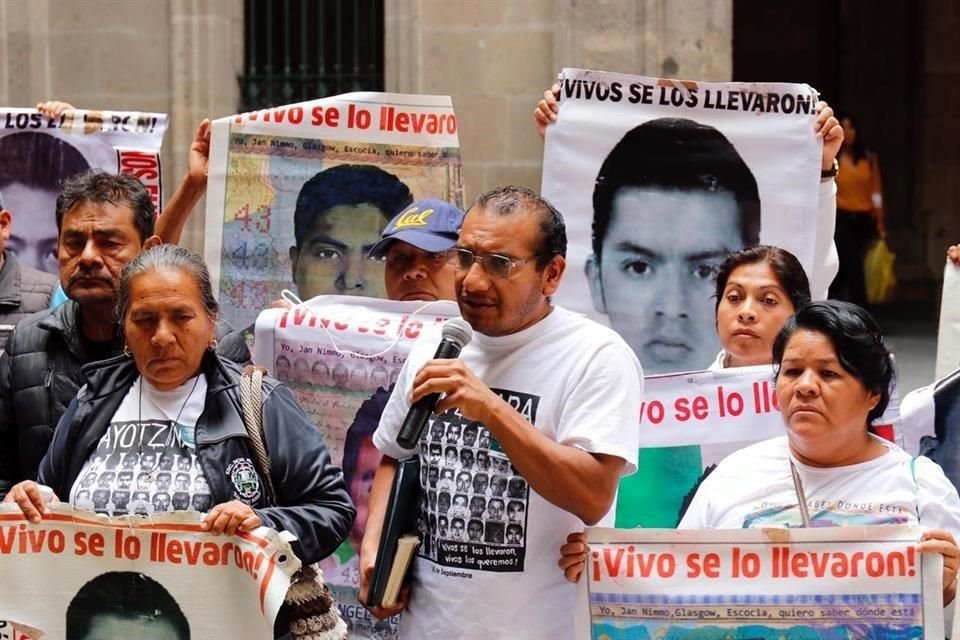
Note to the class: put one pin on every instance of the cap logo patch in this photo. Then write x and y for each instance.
(413, 218)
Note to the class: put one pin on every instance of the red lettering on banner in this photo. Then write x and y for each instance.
(632, 564)
(19, 539)
(653, 411)
(84, 545)
(788, 564)
(329, 116)
(683, 408)
(301, 316)
(191, 553)
(710, 567)
(404, 122)
(7, 537)
(145, 167)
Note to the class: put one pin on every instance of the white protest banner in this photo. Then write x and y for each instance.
(13, 631)
(763, 584)
(711, 414)
(341, 356)
(948, 335)
(76, 570)
(709, 407)
(668, 177)
(931, 416)
(719, 407)
(298, 194)
(38, 153)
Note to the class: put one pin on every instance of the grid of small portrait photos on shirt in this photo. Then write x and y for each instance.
(142, 469)
(474, 503)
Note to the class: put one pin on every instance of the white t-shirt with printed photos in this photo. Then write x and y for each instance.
(145, 463)
(487, 564)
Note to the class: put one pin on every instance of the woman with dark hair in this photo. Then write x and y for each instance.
(860, 214)
(757, 289)
(833, 374)
(171, 395)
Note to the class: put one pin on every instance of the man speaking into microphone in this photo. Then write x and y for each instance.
(540, 410)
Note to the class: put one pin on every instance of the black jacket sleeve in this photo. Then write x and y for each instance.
(9, 440)
(53, 471)
(321, 512)
(232, 345)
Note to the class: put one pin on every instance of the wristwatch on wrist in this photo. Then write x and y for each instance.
(831, 172)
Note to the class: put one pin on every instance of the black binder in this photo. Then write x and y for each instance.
(400, 519)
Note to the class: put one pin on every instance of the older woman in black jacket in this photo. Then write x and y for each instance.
(160, 428)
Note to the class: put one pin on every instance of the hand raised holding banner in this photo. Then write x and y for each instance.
(547, 109)
(573, 556)
(828, 128)
(942, 541)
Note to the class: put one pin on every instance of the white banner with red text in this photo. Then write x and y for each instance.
(299, 193)
(658, 180)
(38, 153)
(340, 356)
(711, 414)
(77, 575)
(763, 584)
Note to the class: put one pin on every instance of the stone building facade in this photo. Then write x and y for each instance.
(494, 57)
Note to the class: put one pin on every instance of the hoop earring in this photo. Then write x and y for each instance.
(213, 345)
(126, 350)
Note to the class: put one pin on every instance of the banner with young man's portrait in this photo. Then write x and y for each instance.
(341, 356)
(769, 584)
(75, 575)
(299, 194)
(38, 153)
(659, 180)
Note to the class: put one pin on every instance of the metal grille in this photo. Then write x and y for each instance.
(298, 50)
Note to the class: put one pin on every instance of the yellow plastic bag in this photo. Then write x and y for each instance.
(878, 271)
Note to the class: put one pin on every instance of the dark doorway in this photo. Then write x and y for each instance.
(298, 50)
(864, 57)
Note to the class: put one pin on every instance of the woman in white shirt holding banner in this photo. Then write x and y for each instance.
(833, 376)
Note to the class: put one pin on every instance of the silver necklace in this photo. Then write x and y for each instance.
(170, 432)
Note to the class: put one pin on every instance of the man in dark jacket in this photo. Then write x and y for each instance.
(22, 290)
(104, 220)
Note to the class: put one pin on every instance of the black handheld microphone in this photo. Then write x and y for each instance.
(456, 335)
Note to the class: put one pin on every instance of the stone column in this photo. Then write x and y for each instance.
(24, 51)
(686, 39)
(939, 154)
(206, 57)
(496, 57)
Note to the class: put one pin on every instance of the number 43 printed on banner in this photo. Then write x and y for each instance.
(258, 222)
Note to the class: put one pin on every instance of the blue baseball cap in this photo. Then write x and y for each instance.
(431, 225)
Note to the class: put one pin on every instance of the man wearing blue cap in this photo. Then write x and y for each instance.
(414, 246)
